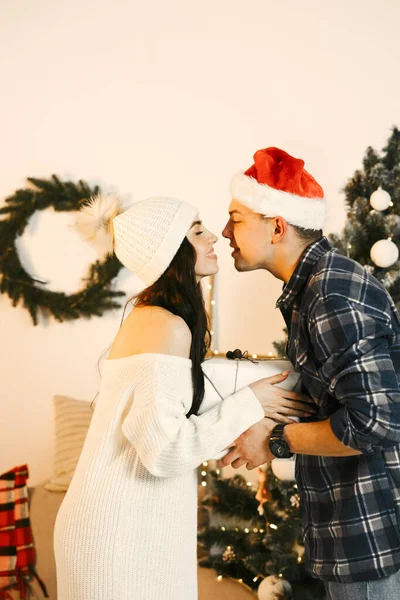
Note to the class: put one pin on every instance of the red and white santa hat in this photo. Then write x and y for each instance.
(277, 184)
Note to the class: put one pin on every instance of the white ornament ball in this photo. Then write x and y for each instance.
(384, 253)
(380, 199)
(274, 587)
(283, 468)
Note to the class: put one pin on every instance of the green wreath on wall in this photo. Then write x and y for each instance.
(94, 298)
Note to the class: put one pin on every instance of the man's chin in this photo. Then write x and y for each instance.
(242, 266)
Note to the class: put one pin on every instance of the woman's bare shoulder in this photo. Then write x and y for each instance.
(152, 329)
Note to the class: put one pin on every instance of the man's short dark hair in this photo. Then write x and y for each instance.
(308, 235)
(305, 235)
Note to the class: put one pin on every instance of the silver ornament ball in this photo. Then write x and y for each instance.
(274, 587)
(283, 469)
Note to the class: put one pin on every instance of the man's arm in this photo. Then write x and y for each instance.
(352, 348)
(351, 342)
(315, 439)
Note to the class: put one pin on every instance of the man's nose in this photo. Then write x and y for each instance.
(226, 233)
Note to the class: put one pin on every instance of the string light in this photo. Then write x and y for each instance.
(204, 473)
(247, 530)
(255, 355)
(219, 577)
(299, 559)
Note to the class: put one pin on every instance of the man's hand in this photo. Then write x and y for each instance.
(251, 448)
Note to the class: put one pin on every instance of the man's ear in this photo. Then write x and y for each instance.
(279, 228)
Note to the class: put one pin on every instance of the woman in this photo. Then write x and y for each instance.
(127, 526)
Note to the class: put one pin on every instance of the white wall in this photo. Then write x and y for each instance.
(170, 98)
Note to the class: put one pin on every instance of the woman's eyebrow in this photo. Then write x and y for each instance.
(196, 223)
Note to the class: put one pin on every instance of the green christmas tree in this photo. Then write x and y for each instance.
(376, 184)
(280, 346)
(255, 534)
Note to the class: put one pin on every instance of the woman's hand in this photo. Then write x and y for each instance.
(280, 404)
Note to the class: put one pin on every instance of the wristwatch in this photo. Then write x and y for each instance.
(277, 444)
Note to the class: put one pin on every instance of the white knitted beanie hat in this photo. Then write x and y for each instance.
(145, 237)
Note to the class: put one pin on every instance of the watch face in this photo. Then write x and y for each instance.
(280, 450)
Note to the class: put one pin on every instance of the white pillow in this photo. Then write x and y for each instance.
(72, 423)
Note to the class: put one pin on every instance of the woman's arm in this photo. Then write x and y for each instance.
(167, 442)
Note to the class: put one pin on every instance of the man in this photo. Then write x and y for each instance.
(344, 338)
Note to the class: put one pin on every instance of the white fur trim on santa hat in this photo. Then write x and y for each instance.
(308, 213)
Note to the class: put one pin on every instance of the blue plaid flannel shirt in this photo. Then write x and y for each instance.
(344, 338)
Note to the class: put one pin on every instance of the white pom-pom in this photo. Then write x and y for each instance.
(94, 221)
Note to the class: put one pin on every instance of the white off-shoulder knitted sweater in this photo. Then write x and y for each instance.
(126, 529)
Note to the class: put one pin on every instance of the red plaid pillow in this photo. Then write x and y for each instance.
(17, 552)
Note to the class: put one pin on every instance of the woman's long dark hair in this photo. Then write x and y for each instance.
(178, 292)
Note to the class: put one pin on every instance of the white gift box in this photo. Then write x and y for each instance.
(223, 373)
(229, 376)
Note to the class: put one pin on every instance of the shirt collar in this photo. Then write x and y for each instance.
(300, 275)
